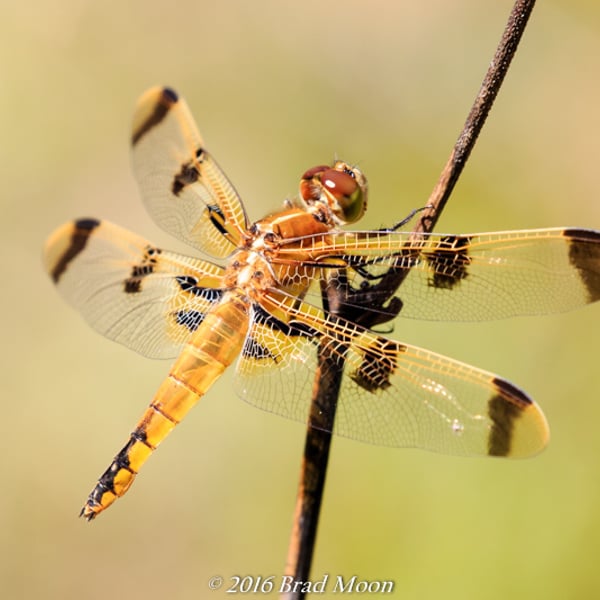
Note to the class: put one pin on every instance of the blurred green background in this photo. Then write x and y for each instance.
(276, 88)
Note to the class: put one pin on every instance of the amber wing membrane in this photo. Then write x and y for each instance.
(469, 277)
(128, 289)
(182, 186)
(392, 394)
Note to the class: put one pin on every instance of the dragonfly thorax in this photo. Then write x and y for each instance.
(258, 266)
(250, 272)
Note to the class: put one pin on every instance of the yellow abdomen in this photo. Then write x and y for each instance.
(211, 349)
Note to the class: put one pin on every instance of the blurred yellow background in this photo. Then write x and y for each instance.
(278, 87)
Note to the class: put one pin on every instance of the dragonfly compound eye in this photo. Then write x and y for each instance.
(346, 189)
(342, 188)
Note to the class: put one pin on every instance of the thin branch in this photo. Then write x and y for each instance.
(482, 106)
(328, 381)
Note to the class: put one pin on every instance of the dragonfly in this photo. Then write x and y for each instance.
(258, 303)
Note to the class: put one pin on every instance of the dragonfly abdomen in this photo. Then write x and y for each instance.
(212, 348)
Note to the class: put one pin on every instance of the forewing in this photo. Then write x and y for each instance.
(468, 277)
(129, 290)
(182, 186)
(391, 394)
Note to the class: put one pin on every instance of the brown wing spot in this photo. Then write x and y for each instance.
(166, 101)
(189, 285)
(252, 349)
(256, 350)
(584, 255)
(186, 176)
(188, 173)
(290, 329)
(504, 408)
(449, 262)
(377, 365)
(217, 218)
(83, 228)
(133, 284)
(190, 319)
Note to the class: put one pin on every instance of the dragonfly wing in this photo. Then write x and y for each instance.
(391, 393)
(408, 396)
(471, 277)
(276, 367)
(129, 290)
(182, 186)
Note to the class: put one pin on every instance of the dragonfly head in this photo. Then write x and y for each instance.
(340, 190)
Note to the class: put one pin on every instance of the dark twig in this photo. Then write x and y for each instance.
(327, 384)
